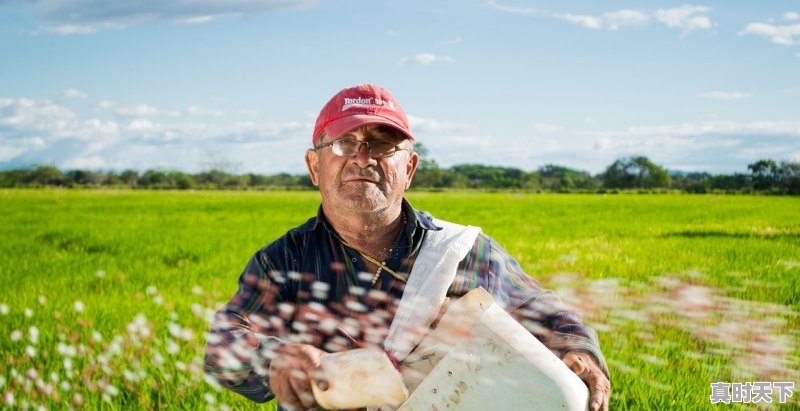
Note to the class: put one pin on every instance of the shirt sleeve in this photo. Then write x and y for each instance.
(540, 311)
(243, 334)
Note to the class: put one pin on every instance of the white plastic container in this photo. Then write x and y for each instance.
(479, 357)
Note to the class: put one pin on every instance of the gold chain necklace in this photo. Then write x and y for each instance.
(381, 264)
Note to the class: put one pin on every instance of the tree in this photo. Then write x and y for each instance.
(130, 177)
(558, 178)
(635, 172)
(428, 173)
(790, 176)
(47, 175)
(765, 174)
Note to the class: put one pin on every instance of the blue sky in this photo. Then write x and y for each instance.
(191, 84)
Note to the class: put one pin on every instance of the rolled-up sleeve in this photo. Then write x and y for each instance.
(243, 333)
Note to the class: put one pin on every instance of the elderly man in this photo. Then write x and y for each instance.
(334, 282)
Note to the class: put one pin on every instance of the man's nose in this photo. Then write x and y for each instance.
(363, 158)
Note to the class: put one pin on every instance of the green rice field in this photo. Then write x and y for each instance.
(105, 296)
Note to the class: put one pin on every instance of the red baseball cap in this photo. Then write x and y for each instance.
(357, 106)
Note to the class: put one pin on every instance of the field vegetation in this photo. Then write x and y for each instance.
(105, 295)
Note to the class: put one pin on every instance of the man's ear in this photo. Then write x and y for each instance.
(312, 162)
(411, 167)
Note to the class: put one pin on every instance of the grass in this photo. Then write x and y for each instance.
(683, 290)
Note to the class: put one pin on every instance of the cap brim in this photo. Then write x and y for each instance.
(342, 125)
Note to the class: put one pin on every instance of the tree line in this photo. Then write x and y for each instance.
(636, 173)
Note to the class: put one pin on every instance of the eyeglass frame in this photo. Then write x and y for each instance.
(358, 147)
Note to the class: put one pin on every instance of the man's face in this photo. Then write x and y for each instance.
(362, 183)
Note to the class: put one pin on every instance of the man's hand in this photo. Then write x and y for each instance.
(290, 374)
(584, 365)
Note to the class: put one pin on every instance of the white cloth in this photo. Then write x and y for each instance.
(433, 272)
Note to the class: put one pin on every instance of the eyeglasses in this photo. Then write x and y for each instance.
(351, 148)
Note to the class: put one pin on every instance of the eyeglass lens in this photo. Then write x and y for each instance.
(350, 148)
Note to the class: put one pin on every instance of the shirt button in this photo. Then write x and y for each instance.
(354, 259)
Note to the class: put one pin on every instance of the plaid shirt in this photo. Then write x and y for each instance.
(307, 284)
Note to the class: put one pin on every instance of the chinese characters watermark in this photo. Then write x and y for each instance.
(750, 392)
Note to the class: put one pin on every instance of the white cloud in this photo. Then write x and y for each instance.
(791, 16)
(786, 35)
(511, 9)
(686, 18)
(197, 111)
(72, 93)
(447, 42)
(422, 126)
(140, 110)
(589, 121)
(391, 33)
(85, 163)
(612, 20)
(45, 132)
(140, 124)
(717, 147)
(104, 105)
(546, 128)
(425, 59)
(195, 20)
(66, 17)
(724, 95)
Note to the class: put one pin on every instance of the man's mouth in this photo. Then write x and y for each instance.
(361, 180)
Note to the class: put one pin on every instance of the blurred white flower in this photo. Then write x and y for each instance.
(96, 336)
(151, 289)
(16, 335)
(130, 376)
(79, 306)
(66, 350)
(210, 399)
(42, 300)
(179, 332)
(9, 398)
(30, 351)
(112, 390)
(115, 348)
(158, 300)
(32, 374)
(33, 334)
(67, 364)
(3, 309)
(100, 273)
(28, 312)
(196, 290)
(172, 347)
(65, 386)
(197, 310)
(77, 399)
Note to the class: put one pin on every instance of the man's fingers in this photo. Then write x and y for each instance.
(587, 370)
(283, 390)
(576, 364)
(301, 385)
(596, 400)
(599, 390)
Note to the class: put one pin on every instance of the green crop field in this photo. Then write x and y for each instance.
(105, 295)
